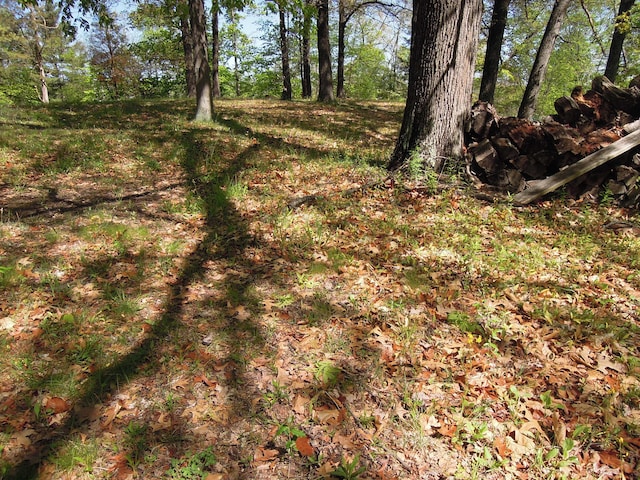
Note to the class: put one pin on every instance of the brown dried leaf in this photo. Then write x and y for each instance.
(57, 405)
(263, 454)
(304, 446)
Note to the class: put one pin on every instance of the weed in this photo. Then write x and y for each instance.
(349, 469)
(277, 394)
(290, 433)
(76, 453)
(283, 301)
(9, 276)
(367, 420)
(327, 373)
(194, 467)
(136, 442)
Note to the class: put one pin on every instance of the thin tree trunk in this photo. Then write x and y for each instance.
(444, 40)
(494, 47)
(44, 89)
(325, 87)
(615, 50)
(342, 29)
(204, 102)
(234, 48)
(215, 50)
(539, 69)
(306, 48)
(43, 92)
(187, 46)
(284, 48)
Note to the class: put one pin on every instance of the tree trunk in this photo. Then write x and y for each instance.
(204, 102)
(615, 50)
(306, 48)
(187, 46)
(342, 29)
(38, 47)
(494, 47)
(44, 89)
(215, 51)
(325, 88)
(234, 48)
(284, 49)
(444, 39)
(539, 69)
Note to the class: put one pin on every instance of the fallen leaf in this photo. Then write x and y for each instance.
(500, 444)
(57, 405)
(447, 430)
(241, 313)
(300, 404)
(265, 454)
(205, 380)
(304, 446)
(610, 458)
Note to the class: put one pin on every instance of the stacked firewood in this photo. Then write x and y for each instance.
(511, 153)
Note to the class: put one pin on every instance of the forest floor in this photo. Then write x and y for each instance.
(165, 314)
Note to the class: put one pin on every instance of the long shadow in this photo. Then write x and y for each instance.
(226, 238)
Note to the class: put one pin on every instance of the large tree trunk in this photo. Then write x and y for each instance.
(284, 49)
(306, 49)
(204, 102)
(494, 47)
(215, 50)
(444, 39)
(342, 29)
(615, 50)
(325, 88)
(539, 69)
(187, 46)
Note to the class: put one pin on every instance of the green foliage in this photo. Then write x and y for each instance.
(194, 467)
(290, 433)
(349, 470)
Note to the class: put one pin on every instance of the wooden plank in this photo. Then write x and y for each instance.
(537, 189)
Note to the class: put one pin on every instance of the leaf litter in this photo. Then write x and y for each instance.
(164, 301)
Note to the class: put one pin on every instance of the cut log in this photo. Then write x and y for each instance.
(568, 110)
(484, 119)
(486, 157)
(539, 188)
(504, 147)
(625, 99)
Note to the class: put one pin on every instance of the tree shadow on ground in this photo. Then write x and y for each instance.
(226, 239)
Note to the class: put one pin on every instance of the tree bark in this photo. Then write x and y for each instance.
(444, 39)
(342, 29)
(187, 46)
(38, 47)
(284, 50)
(204, 102)
(494, 47)
(215, 50)
(325, 87)
(617, 40)
(539, 69)
(306, 49)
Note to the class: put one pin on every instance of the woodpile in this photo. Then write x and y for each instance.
(536, 158)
